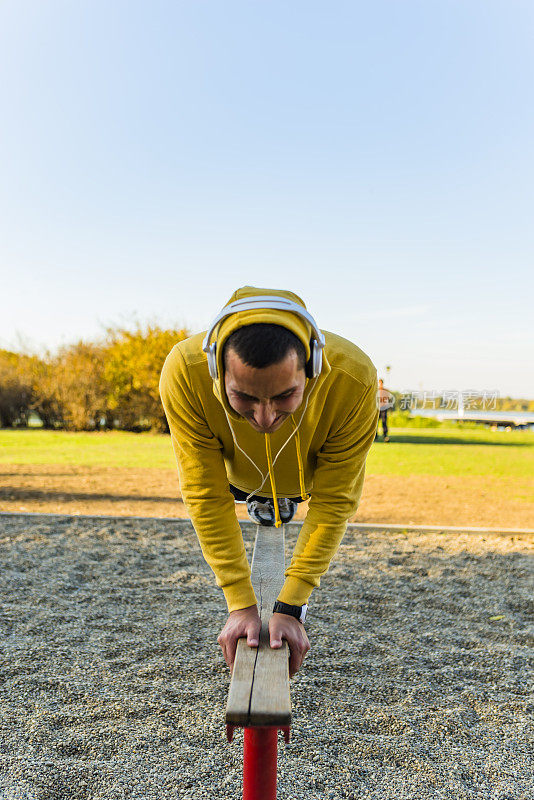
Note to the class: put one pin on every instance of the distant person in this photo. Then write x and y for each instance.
(385, 403)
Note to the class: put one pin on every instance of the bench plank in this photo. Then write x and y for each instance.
(259, 689)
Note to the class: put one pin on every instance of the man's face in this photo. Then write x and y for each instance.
(265, 397)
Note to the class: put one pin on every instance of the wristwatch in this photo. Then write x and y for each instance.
(299, 612)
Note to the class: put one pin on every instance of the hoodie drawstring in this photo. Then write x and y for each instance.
(270, 466)
(271, 462)
(303, 492)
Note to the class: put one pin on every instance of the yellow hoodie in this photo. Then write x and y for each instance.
(325, 457)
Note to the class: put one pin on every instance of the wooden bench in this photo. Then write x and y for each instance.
(259, 689)
(258, 699)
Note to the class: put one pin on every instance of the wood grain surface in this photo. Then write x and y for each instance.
(259, 689)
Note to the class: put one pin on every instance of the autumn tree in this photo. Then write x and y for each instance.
(16, 391)
(76, 383)
(132, 367)
(112, 383)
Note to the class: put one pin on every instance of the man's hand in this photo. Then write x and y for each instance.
(282, 626)
(244, 623)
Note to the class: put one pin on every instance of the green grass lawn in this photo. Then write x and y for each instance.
(111, 449)
(425, 451)
(453, 451)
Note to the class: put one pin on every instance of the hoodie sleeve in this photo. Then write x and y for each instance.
(204, 485)
(337, 488)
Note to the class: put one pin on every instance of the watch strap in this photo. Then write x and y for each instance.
(299, 612)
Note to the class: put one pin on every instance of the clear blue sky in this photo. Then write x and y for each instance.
(377, 158)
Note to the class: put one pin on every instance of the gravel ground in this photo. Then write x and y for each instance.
(113, 685)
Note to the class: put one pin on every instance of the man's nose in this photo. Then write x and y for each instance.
(265, 415)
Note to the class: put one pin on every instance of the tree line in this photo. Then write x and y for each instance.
(108, 384)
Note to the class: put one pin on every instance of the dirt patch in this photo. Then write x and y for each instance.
(452, 500)
(414, 499)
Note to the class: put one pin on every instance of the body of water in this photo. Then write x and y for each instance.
(499, 418)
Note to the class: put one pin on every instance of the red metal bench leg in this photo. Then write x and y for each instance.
(259, 763)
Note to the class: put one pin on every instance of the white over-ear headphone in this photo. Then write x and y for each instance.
(266, 301)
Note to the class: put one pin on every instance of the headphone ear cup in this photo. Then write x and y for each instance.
(316, 359)
(311, 365)
(212, 360)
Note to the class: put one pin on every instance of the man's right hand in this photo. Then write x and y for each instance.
(243, 623)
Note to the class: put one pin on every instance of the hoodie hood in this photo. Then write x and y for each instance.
(293, 322)
(302, 329)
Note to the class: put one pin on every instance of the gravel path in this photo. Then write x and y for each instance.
(113, 686)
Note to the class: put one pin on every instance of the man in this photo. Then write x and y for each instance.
(385, 402)
(272, 410)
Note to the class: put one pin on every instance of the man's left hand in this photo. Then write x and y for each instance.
(283, 626)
